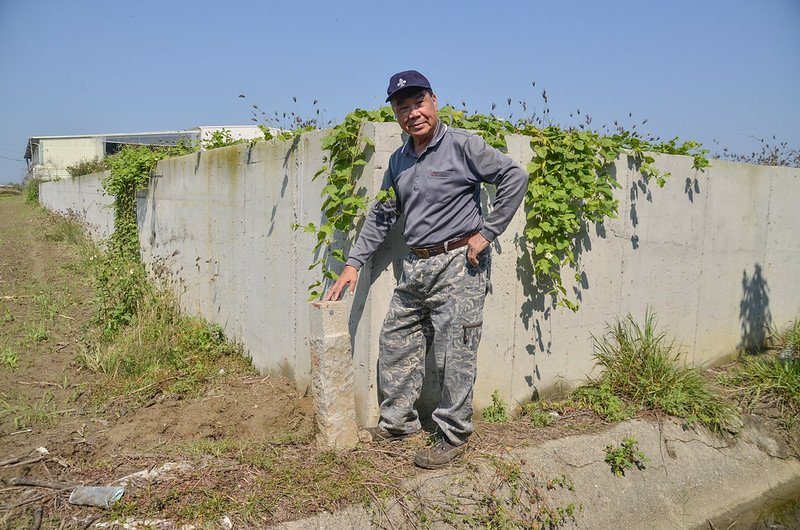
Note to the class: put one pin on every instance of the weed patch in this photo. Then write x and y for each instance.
(538, 413)
(161, 350)
(510, 497)
(26, 413)
(32, 191)
(496, 412)
(87, 166)
(625, 457)
(9, 358)
(643, 370)
(37, 333)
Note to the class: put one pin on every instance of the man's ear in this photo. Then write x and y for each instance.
(435, 103)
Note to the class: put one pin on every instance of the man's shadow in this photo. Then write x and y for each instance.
(755, 316)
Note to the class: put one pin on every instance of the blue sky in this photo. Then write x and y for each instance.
(720, 69)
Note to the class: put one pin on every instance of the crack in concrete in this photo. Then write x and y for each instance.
(697, 440)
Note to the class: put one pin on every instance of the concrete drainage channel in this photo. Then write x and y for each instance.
(691, 478)
(777, 509)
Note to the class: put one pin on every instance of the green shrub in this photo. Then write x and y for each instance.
(32, 190)
(601, 399)
(220, 138)
(88, 166)
(540, 412)
(120, 283)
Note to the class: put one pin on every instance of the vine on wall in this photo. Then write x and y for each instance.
(119, 272)
(570, 185)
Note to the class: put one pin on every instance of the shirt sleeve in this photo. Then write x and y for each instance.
(494, 167)
(380, 218)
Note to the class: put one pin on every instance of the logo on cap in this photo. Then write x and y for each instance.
(401, 82)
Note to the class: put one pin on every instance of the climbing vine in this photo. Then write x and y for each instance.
(118, 272)
(130, 169)
(343, 205)
(571, 184)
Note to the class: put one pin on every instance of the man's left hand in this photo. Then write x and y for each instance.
(475, 246)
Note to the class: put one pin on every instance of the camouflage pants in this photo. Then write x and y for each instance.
(445, 293)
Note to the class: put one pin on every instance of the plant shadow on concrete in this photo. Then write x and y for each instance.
(642, 369)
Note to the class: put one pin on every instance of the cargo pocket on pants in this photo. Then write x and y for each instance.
(470, 337)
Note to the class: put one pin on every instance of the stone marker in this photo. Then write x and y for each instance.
(332, 375)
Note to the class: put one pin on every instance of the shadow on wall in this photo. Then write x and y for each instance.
(754, 314)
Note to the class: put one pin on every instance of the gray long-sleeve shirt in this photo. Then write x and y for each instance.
(438, 193)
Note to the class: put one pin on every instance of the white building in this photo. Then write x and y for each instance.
(49, 156)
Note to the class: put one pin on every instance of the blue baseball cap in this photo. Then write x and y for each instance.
(406, 79)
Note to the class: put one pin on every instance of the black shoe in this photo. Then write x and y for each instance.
(439, 454)
(379, 434)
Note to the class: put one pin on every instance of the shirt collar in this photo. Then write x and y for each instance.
(438, 134)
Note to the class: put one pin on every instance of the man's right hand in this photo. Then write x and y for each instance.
(349, 277)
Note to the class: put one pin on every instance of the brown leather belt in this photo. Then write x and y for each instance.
(427, 252)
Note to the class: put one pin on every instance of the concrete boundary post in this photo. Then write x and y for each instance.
(332, 375)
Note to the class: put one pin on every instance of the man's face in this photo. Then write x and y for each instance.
(417, 115)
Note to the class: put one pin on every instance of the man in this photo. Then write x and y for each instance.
(434, 181)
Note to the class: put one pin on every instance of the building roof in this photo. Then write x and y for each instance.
(165, 137)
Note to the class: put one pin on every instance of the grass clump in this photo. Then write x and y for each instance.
(768, 381)
(161, 350)
(9, 358)
(27, 413)
(787, 342)
(66, 230)
(642, 369)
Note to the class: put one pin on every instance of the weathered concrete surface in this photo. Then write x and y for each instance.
(332, 376)
(84, 198)
(217, 226)
(691, 477)
(715, 254)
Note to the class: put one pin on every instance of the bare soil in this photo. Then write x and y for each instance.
(45, 312)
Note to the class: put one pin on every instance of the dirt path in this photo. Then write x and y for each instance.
(45, 318)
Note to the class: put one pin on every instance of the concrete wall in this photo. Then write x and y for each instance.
(82, 197)
(715, 255)
(217, 226)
